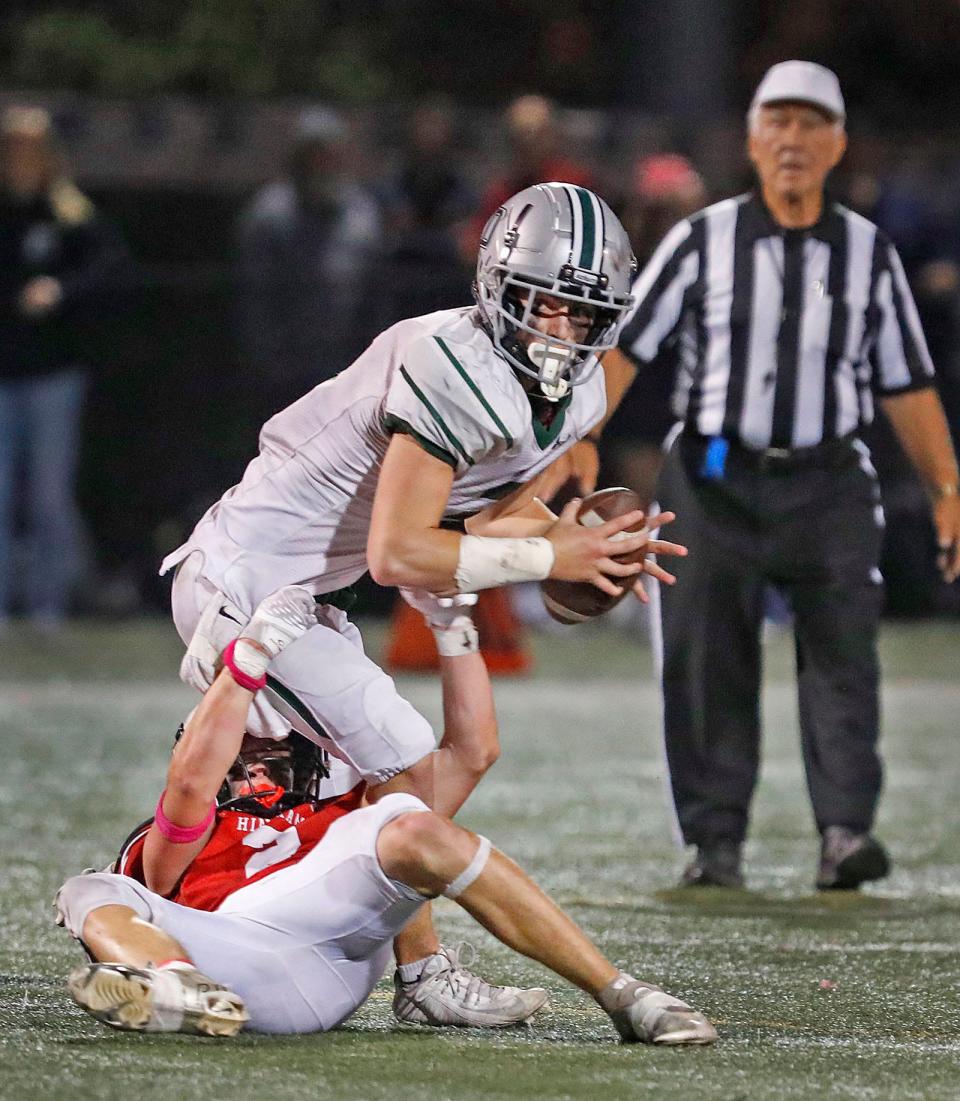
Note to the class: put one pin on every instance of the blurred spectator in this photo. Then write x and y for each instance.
(665, 188)
(428, 204)
(534, 136)
(62, 267)
(305, 246)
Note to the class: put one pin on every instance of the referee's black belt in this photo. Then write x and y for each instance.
(827, 453)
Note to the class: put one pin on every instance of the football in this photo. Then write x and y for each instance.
(575, 601)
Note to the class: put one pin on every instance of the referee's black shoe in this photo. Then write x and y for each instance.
(848, 859)
(716, 864)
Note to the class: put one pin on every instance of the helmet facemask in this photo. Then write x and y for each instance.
(261, 771)
(557, 363)
(295, 765)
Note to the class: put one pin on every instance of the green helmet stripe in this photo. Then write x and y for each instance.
(588, 246)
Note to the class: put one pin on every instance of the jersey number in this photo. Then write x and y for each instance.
(274, 846)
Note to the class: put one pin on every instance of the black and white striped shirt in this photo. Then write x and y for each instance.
(783, 336)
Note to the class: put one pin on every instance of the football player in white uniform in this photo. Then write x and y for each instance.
(421, 462)
(300, 945)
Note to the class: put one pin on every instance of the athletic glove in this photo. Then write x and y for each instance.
(449, 617)
(280, 618)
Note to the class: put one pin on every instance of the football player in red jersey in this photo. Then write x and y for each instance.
(268, 816)
(302, 942)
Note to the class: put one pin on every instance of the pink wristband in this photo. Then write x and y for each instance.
(180, 835)
(252, 684)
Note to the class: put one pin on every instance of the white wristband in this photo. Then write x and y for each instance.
(487, 563)
(459, 638)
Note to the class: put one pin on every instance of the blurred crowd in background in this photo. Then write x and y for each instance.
(236, 244)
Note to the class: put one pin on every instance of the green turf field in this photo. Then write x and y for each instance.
(835, 997)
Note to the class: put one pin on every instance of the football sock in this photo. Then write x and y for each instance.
(410, 972)
(609, 998)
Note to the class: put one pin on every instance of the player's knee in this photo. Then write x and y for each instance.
(413, 836)
(418, 849)
(82, 895)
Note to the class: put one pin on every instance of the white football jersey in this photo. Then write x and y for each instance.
(302, 511)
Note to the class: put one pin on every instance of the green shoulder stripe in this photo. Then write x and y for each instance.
(473, 386)
(441, 424)
(397, 424)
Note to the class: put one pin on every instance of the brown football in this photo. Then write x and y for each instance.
(575, 601)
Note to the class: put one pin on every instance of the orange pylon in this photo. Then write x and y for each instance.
(411, 647)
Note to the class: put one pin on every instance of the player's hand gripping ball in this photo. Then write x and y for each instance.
(575, 601)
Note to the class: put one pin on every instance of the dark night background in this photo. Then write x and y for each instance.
(172, 113)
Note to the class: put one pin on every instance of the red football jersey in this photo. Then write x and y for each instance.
(244, 847)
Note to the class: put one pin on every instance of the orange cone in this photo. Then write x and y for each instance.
(502, 637)
(411, 647)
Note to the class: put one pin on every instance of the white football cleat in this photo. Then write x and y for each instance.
(643, 1013)
(148, 999)
(447, 994)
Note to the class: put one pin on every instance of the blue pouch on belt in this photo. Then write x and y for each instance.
(714, 463)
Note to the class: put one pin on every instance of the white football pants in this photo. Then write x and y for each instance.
(303, 947)
(325, 687)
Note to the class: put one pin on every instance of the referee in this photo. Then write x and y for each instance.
(789, 315)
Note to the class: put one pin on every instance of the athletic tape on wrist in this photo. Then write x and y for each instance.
(471, 871)
(487, 563)
(242, 677)
(457, 639)
(180, 835)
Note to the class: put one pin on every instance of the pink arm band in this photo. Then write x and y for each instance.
(181, 835)
(252, 684)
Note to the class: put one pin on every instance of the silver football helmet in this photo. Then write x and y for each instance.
(561, 241)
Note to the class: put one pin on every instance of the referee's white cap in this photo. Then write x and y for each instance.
(804, 82)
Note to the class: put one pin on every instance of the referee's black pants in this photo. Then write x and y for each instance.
(814, 531)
